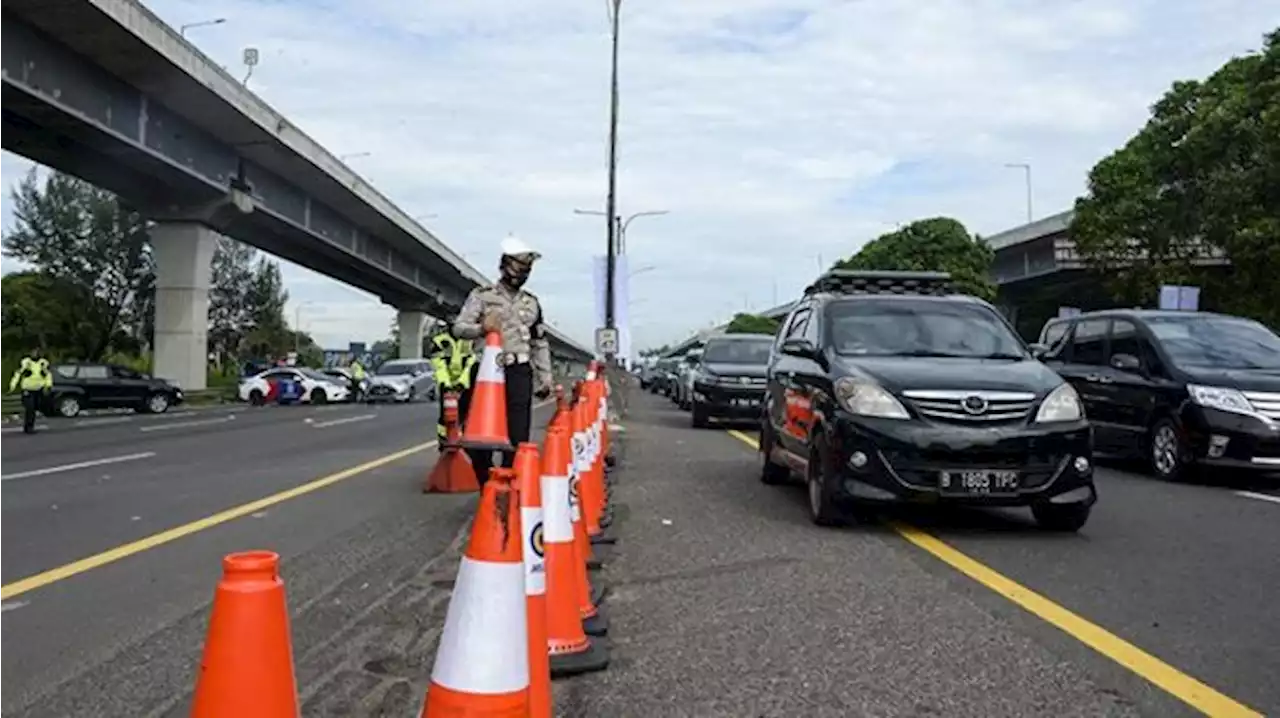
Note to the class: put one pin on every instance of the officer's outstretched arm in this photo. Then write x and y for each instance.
(467, 324)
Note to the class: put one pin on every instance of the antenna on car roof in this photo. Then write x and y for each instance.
(850, 281)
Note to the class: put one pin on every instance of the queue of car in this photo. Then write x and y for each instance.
(886, 387)
(398, 380)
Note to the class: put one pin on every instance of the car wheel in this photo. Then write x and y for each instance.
(319, 397)
(1167, 452)
(158, 403)
(1061, 517)
(823, 510)
(770, 473)
(699, 419)
(69, 406)
(257, 398)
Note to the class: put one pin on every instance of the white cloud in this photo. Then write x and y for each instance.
(776, 132)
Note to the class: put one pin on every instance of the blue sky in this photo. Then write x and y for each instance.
(774, 131)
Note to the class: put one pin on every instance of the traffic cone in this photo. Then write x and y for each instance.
(593, 476)
(482, 663)
(571, 650)
(577, 475)
(486, 420)
(529, 483)
(247, 667)
(453, 472)
(589, 597)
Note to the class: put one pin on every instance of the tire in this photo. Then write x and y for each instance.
(318, 397)
(1167, 455)
(157, 403)
(257, 398)
(823, 510)
(770, 473)
(699, 419)
(1061, 517)
(68, 406)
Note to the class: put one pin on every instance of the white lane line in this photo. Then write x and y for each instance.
(182, 424)
(1260, 497)
(102, 422)
(12, 605)
(78, 465)
(347, 420)
(10, 429)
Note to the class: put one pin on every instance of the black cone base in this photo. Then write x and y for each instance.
(597, 625)
(595, 658)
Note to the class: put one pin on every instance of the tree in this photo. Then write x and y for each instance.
(92, 247)
(751, 324)
(267, 331)
(938, 244)
(1197, 181)
(46, 312)
(229, 310)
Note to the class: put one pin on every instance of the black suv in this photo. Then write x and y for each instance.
(1181, 389)
(107, 386)
(885, 388)
(728, 380)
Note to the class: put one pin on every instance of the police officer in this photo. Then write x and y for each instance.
(357, 379)
(526, 355)
(452, 363)
(34, 378)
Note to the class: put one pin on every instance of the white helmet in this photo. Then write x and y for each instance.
(513, 246)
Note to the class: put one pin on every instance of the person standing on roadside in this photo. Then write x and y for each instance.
(451, 363)
(526, 354)
(34, 379)
(356, 370)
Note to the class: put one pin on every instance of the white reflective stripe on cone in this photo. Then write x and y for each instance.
(575, 497)
(581, 452)
(490, 368)
(535, 570)
(557, 510)
(482, 649)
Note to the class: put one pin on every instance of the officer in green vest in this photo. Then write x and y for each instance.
(452, 362)
(356, 370)
(34, 379)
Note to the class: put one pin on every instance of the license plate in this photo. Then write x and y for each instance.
(749, 403)
(978, 482)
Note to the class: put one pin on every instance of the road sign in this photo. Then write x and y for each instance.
(606, 340)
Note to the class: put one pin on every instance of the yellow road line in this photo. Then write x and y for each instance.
(17, 588)
(1178, 684)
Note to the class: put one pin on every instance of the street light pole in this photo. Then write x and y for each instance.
(182, 29)
(611, 202)
(1026, 168)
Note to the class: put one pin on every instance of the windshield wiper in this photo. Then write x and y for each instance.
(956, 355)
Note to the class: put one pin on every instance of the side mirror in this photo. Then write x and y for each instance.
(1039, 350)
(799, 348)
(1126, 362)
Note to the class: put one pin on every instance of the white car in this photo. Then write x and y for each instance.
(401, 380)
(317, 388)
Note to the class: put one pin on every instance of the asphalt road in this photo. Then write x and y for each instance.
(726, 601)
(121, 634)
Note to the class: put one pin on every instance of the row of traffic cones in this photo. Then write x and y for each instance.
(523, 609)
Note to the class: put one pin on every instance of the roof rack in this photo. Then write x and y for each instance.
(849, 281)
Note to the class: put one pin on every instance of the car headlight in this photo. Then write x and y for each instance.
(866, 398)
(1062, 404)
(1221, 398)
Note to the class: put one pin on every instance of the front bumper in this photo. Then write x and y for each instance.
(883, 460)
(1227, 440)
(727, 400)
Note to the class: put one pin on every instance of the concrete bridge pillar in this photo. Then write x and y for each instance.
(184, 256)
(412, 324)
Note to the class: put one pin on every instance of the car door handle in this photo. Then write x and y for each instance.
(1099, 378)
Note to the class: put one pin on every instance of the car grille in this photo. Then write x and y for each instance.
(382, 390)
(972, 407)
(1034, 470)
(755, 381)
(1265, 403)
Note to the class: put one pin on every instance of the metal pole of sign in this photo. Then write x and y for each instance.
(611, 203)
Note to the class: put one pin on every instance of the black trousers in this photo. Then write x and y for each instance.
(519, 385)
(30, 406)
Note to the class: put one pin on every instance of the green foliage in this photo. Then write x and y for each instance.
(655, 352)
(1198, 180)
(743, 323)
(938, 244)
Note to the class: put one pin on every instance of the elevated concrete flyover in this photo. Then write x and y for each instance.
(105, 90)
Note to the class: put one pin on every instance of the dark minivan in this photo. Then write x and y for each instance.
(886, 387)
(107, 386)
(728, 382)
(1179, 389)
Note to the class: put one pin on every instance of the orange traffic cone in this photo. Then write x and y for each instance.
(486, 421)
(529, 483)
(593, 622)
(453, 472)
(247, 668)
(571, 651)
(592, 474)
(482, 664)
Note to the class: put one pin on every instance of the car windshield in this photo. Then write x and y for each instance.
(904, 327)
(313, 374)
(395, 369)
(1217, 342)
(738, 351)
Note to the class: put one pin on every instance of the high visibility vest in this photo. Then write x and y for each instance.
(453, 363)
(357, 370)
(32, 375)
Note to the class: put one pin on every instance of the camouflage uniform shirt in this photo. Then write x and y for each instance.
(524, 336)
